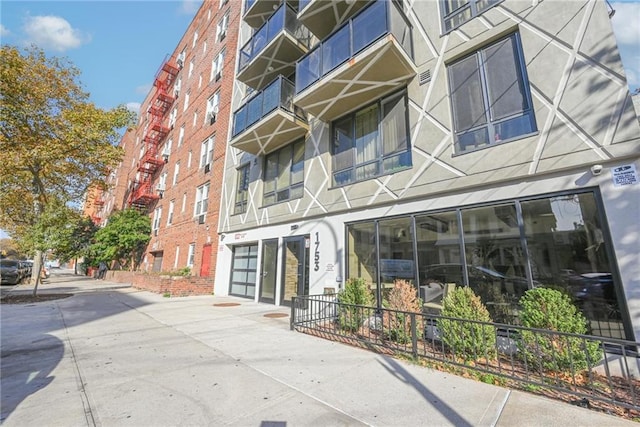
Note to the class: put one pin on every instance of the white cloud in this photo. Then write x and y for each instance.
(626, 23)
(53, 32)
(133, 106)
(190, 6)
(144, 89)
(4, 31)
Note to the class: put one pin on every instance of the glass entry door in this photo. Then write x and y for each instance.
(269, 267)
(295, 268)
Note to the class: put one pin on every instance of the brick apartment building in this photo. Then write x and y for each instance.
(173, 162)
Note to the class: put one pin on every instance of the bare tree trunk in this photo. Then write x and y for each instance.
(35, 273)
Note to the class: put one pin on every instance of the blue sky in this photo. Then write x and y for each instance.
(119, 45)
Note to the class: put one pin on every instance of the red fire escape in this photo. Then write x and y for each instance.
(98, 203)
(143, 193)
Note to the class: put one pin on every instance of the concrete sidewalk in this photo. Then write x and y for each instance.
(112, 356)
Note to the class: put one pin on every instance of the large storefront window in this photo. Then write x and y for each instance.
(363, 261)
(396, 251)
(567, 251)
(495, 258)
(500, 251)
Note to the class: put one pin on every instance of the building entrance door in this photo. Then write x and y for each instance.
(269, 268)
(206, 260)
(295, 268)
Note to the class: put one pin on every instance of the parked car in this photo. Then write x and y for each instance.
(10, 272)
(452, 273)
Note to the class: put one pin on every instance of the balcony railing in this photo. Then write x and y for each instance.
(279, 94)
(283, 19)
(369, 25)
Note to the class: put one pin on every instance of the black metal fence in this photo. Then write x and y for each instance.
(595, 370)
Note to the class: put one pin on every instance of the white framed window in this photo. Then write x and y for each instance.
(162, 183)
(222, 27)
(191, 254)
(206, 152)
(213, 105)
(157, 215)
(172, 117)
(190, 69)
(172, 205)
(181, 58)
(209, 15)
(175, 261)
(200, 81)
(176, 87)
(176, 171)
(195, 39)
(186, 100)
(202, 200)
(141, 152)
(189, 156)
(216, 66)
(204, 46)
(166, 151)
(195, 118)
(184, 202)
(181, 136)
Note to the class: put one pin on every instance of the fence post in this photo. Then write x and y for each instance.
(414, 335)
(293, 313)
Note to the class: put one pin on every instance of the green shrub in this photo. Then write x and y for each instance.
(397, 326)
(544, 308)
(355, 292)
(470, 341)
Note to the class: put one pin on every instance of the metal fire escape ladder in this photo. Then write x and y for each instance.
(143, 193)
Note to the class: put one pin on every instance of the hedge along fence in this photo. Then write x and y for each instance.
(500, 349)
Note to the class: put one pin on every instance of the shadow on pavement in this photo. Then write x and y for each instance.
(30, 350)
(395, 369)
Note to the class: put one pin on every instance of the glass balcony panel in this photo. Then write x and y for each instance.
(255, 110)
(240, 120)
(308, 70)
(275, 24)
(284, 18)
(260, 39)
(278, 94)
(369, 26)
(335, 50)
(355, 35)
(270, 97)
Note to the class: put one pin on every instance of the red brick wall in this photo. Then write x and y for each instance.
(177, 286)
(184, 229)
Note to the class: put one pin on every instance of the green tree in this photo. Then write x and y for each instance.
(123, 240)
(54, 142)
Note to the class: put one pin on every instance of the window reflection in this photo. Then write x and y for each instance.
(562, 246)
(567, 251)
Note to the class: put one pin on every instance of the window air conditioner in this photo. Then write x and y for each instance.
(180, 62)
(201, 219)
(207, 168)
(223, 35)
(155, 232)
(218, 75)
(212, 118)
